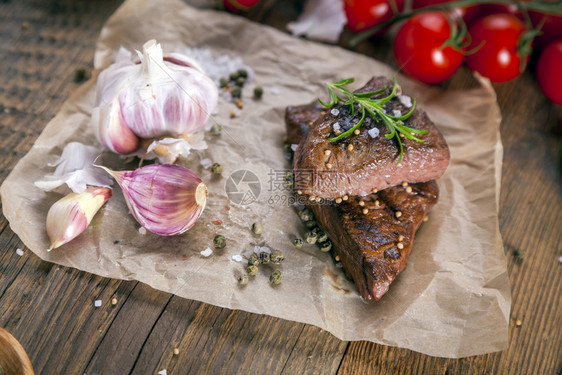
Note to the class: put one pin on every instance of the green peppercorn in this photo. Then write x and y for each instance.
(223, 82)
(240, 81)
(276, 277)
(326, 246)
(311, 224)
(288, 178)
(258, 92)
(236, 92)
(311, 237)
(216, 168)
(257, 228)
(234, 76)
(306, 215)
(298, 242)
(219, 241)
(254, 260)
(276, 256)
(322, 236)
(287, 149)
(79, 76)
(243, 73)
(216, 129)
(243, 279)
(252, 270)
(264, 257)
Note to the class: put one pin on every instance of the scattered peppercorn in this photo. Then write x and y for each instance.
(243, 279)
(264, 257)
(240, 81)
(243, 73)
(258, 92)
(236, 92)
(306, 215)
(252, 270)
(176, 351)
(518, 254)
(276, 256)
(80, 74)
(326, 246)
(288, 178)
(217, 168)
(322, 236)
(234, 76)
(311, 237)
(219, 241)
(298, 242)
(254, 260)
(216, 129)
(257, 228)
(311, 224)
(223, 82)
(276, 277)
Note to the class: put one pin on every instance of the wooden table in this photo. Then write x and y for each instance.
(49, 308)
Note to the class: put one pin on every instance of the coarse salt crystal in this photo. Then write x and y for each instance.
(275, 90)
(19, 252)
(142, 231)
(207, 252)
(206, 163)
(335, 112)
(237, 258)
(97, 303)
(162, 372)
(374, 132)
(396, 113)
(336, 126)
(406, 100)
(560, 259)
(294, 147)
(265, 249)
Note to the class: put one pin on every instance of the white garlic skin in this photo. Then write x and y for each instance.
(161, 95)
(70, 216)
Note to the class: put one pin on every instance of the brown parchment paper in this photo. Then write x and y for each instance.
(453, 299)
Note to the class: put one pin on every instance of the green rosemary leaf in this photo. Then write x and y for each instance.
(375, 108)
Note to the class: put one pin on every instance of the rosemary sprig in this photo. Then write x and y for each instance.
(375, 108)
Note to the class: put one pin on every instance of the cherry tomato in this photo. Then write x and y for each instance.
(468, 13)
(500, 54)
(238, 5)
(551, 29)
(420, 51)
(364, 14)
(549, 72)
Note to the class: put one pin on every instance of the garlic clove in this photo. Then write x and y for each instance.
(70, 216)
(166, 199)
(112, 131)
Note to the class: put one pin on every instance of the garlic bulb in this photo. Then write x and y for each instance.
(70, 216)
(163, 95)
(166, 199)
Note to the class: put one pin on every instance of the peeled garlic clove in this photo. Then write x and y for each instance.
(166, 199)
(72, 214)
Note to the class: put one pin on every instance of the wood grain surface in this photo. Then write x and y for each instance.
(50, 309)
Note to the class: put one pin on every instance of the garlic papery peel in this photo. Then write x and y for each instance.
(321, 20)
(75, 169)
(168, 150)
(70, 216)
(162, 95)
(166, 199)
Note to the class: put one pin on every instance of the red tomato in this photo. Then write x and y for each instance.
(549, 72)
(551, 30)
(468, 13)
(238, 5)
(364, 14)
(419, 48)
(499, 57)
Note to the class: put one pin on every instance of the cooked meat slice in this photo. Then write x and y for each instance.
(372, 161)
(299, 118)
(374, 238)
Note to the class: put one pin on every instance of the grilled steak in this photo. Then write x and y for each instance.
(374, 246)
(372, 162)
